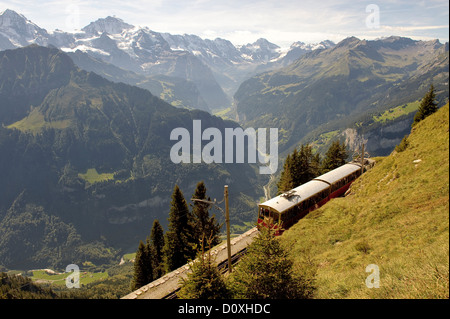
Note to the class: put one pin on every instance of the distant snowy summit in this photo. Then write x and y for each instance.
(17, 31)
(111, 25)
(313, 46)
(216, 67)
(111, 33)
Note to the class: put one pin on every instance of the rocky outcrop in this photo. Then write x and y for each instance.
(379, 140)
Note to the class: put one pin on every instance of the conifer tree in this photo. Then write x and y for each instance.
(286, 181)
(203, 225)
(305, 171)
(316, 163)
(427, 106)
(295, 166)
(266, 272)
(335, 157)
(143, 272)
(179, 247)
(157, 246)
(148, 261)
(300, 167)
(205, 280)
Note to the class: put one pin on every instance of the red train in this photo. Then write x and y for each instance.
(281, 212)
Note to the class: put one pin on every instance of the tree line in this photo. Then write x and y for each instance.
(302, 165)
(188, 230)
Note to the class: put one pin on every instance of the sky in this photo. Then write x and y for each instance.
(244, 21)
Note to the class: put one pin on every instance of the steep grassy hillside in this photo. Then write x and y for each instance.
(397, 217)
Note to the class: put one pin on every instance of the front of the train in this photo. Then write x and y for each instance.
(269, 219)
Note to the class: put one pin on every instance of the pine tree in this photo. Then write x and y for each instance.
(316, 163)
(427, 106)
(148, 261)
(286, 181)
(300, 167)
(203, 225)
(295, 166)
(266, 272)
(305, 171)
(157, 246)
(142, 267)
(205, 280)
(335, 157)
(179, 247)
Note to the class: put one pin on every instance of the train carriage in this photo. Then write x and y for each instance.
(282, 211)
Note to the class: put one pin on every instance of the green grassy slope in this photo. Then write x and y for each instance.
(396, 217)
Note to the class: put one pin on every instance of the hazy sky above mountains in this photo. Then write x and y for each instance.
(243, 21)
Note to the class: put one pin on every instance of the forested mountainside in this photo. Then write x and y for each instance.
(85, 162)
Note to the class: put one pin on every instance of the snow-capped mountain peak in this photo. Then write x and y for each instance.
(16, 30)
(312, 46)
(10, 17)
(111, 25)
(214, 66)
(261, 50)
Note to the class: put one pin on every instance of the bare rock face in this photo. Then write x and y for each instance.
(381, 140)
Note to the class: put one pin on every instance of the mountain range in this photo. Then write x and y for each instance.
(327, 91)
(85, 163)
(216, 67)
(86, 119)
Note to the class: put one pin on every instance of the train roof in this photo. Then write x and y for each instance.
(291, 198)
(282, 203)
(339, 173)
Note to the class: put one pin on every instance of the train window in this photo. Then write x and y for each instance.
(308, 203)
(264, 212)
(276, 217)
(287, 215)
(332, 188)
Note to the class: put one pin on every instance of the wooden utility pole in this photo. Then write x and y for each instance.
(227, 220)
